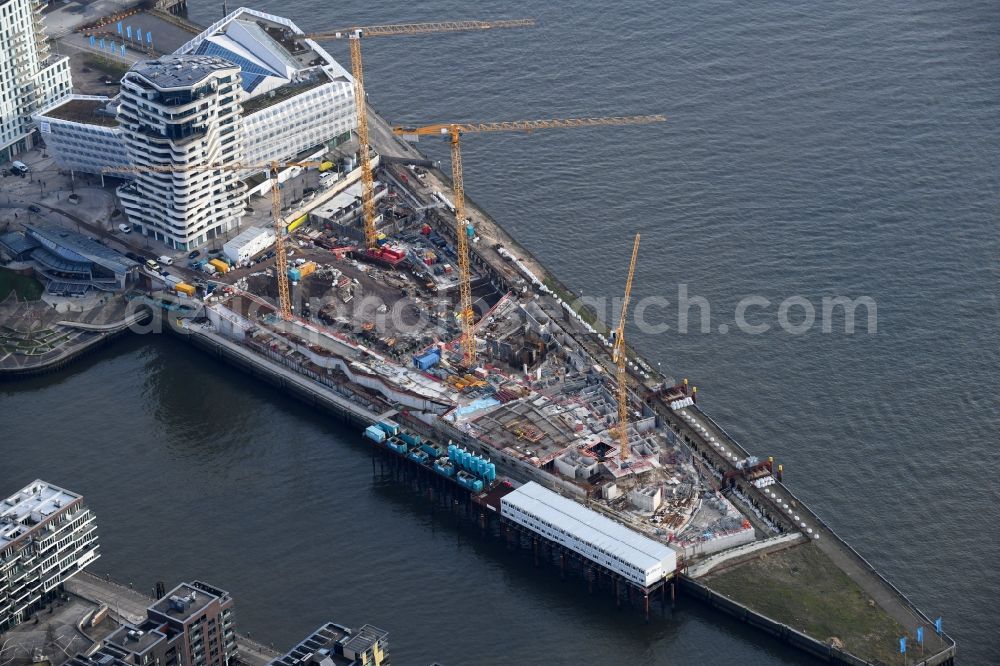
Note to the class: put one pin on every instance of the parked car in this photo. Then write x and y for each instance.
(133, 256)
(165, 260)
(34, 209)
(152, 265)
(194, 254)
(124, 228)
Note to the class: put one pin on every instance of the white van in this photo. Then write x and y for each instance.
(19, 168)
(165, 260)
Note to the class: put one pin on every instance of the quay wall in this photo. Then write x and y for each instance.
(789, 635)
(103, 336)
(842, 548)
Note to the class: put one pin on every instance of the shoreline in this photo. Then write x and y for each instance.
(489, 261)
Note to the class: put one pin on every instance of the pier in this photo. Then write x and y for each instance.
(532, 388)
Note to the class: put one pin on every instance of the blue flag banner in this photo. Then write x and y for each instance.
(902, 645)
(119, 27)
(128, 31)
(102, 43)
(937, 625)
(123, 50)
(92, 40)
(149, 37)
(920, 635)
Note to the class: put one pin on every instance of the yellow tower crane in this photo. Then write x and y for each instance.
(619, 357)
(354, 35)
(454, 132)
(272, 168)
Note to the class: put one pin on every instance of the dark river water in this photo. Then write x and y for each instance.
(813, 150)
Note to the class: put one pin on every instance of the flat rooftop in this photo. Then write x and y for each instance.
(323, 638)
(285, 92)
(179, 71)
(187, 600)
(364, 638)
(26, 509)
(589, 526)
(136, 639)
(89, 110)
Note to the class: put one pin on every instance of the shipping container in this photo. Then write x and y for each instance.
(220, 265)
(389, 427)
(428, 360)
(307, 268)
(445, 467)
(418, 456)
(410, 438)
(433, 450)
(297, 222)
(375, 433)
(185, 288)
(249, 242)
(393, 254)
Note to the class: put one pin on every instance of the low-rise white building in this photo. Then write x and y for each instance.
(249, 242)
(343, 210)
(601, 540)
(83, 134)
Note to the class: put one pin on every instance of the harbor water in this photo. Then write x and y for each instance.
(812, 150)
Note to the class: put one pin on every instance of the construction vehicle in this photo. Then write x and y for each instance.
(454, 131)
(354, 35)
(619, 356)
(272, 168)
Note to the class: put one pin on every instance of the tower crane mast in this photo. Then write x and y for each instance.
(454, 131)
(354, 36)
(272, 168)
(618, 355)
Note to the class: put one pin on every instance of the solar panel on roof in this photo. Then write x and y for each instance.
(251, 72)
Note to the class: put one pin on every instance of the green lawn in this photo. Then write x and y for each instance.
(802, 588)
(27, 288)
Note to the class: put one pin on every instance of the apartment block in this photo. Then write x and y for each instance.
(31, 78)
(47, 534)
(192, 625)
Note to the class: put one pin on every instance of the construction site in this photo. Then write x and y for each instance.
(504, 369)
(363, 281)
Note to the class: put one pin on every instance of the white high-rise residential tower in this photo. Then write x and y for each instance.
(31, 78)
(174, 112)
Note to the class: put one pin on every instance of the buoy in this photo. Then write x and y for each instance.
(781, 468)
